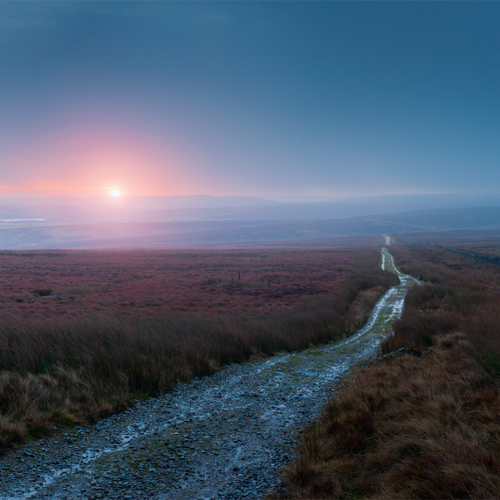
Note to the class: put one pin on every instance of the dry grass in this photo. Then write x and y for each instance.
(75, 369)
(407, 428)
(462, 296)
(416, 426)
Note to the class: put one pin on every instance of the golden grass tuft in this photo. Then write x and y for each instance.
(423, 425)
(405, 428)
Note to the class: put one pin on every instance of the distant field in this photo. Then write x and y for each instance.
(456, 252)
(138, 284)
(481, 241)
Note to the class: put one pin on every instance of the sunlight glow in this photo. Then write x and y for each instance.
(115, 193)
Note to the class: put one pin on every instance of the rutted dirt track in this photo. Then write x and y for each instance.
(224, 436)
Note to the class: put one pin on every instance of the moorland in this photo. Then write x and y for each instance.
(86, 333)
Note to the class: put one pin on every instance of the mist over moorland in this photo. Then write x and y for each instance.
(183, 221)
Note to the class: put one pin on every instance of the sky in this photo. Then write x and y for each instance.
(270, 99)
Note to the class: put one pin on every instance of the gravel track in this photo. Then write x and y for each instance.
(221, 437)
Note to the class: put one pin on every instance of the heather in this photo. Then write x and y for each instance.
(151, 283)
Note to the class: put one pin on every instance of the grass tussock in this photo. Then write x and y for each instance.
(74, 370)
(424, 424)
(407, 428)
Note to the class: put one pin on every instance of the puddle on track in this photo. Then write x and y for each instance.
(224, 436)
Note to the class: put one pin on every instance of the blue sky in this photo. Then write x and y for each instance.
(249, 98)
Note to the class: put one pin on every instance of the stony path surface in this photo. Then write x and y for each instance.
(221, 437)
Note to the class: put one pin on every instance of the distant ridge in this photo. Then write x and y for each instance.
(241, 233)
(226, 208)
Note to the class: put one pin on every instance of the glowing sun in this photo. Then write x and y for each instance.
(115, 193)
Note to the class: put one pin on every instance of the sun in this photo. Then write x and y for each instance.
(115, 193)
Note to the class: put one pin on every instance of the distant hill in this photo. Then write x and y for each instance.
(231, 233)
(125, 209)
(226, 208)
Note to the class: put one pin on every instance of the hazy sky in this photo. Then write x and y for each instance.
(249, 98)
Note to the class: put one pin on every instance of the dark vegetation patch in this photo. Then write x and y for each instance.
(73, 365)
(424, 424)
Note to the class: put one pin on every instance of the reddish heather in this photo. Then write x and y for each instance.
(130, 284)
